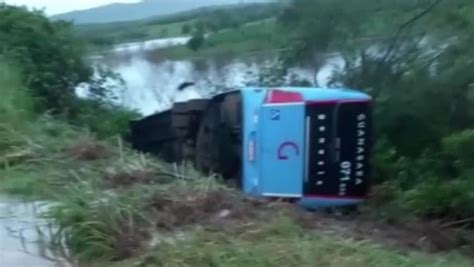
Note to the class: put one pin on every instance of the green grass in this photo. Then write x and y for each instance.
(255, 36)
(20, 183)
(35, 157)
(281, 242)
(171, 30)
(102, 217)
(251, 38)
(20, 138)
(102, 36)
(95, 225)
(16, 104)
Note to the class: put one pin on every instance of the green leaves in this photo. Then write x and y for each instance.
(416, 59)
(196, 42)
(50, 57)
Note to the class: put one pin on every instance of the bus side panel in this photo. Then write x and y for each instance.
(282, 149)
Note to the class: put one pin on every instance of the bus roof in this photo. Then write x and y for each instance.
(315, 93)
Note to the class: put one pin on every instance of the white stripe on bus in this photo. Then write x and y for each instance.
(307, 148)
(281, 195)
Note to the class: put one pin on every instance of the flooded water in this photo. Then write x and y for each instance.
(151, 44)
(23, 242)
(151, 84)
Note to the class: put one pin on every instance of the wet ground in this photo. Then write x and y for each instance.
(23, 242)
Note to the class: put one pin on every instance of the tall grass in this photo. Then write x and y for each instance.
(45, 157)
(21, 128)
(94, 224)
(280, 242)
(114, 217)
(16, 103)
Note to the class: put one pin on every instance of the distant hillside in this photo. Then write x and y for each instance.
(145, 9)
(212, 19)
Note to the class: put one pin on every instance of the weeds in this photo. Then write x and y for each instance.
(111, 205)
(204, 202)
(16, 103)
(96, 225)
(87, 148)
(280, 242)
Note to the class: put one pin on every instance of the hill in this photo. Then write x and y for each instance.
(142, 10)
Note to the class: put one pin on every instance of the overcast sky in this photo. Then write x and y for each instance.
(60, 6)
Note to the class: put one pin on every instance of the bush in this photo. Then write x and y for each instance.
(104, 120)
(459, 147)
(196, 42)
(442, 199)
(16, 103)
(49, 55)
(449, 194)
(186, 29)
(437, 184)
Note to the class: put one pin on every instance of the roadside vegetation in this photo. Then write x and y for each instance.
(419, 74)
(116, 207)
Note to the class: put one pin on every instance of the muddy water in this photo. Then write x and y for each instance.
(21, 241)
(151, 44)
(151, 84)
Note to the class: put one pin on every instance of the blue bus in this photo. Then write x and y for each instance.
(307, 145)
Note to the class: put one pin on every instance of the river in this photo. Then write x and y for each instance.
(151, 83)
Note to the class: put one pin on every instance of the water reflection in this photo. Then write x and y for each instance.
(23, 235)
(151, 83)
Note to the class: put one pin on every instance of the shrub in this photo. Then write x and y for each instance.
(196, 42)
(186, 28)
(49, 55)
(438, 198)
(16, 103)
(459, 147)
(104, 120)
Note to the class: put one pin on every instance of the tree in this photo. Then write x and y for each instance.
(49, 55)
(415, 58)
(186, 29)
(200, 27)
(196, 42)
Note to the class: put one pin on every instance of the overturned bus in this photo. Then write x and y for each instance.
(309, 145)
